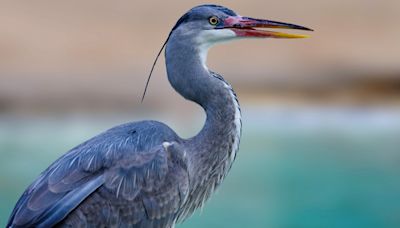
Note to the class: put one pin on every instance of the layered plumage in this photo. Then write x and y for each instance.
(142, 174)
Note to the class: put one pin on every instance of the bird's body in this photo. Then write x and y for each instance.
(142, 174)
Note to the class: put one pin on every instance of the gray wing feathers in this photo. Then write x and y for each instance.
(126, 166)
(137, 172)
(61, 209)
(43, 205)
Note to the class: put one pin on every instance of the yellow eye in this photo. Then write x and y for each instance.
(213, 20)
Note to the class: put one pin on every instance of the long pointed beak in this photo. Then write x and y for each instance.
(246, 27)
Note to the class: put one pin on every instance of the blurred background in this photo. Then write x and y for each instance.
(321, 116)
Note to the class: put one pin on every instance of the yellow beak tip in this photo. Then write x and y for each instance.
(295, 36)
(288, 35)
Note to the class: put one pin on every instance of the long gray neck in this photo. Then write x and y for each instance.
(217, 142)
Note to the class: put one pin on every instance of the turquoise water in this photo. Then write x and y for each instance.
(321, 167)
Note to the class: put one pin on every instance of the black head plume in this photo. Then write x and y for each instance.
(152, 68)
(158, 55)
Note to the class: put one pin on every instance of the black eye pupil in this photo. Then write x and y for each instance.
(214, 20)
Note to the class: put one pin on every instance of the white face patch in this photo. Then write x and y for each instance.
(214, 36)
(207, 38)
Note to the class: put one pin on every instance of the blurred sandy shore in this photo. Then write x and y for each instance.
(94, 55)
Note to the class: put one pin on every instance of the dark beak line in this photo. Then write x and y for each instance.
(259, 23)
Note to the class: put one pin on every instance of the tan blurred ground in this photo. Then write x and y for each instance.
(63, 55)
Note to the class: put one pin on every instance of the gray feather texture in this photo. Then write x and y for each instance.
(142, 174)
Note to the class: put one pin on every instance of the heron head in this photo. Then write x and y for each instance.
(210, 24)
(205, 25)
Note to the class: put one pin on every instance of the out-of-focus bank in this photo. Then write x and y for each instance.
(75, 55)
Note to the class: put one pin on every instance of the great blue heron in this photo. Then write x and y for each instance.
(142, 174)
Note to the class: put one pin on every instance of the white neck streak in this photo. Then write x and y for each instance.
(208, 38)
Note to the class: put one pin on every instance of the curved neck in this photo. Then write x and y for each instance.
(189, 76)
(187, 73)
